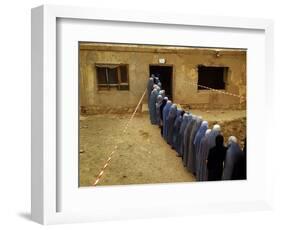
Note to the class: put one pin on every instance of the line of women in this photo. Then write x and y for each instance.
(201, 148)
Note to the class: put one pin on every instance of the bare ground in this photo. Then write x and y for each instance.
(142, 156)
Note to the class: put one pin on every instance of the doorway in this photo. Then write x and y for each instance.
(165, 75)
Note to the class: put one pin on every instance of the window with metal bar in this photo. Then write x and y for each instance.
(112, 76)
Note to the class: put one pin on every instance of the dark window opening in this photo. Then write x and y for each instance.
(212, 77)
(101, 75)
(112, 76)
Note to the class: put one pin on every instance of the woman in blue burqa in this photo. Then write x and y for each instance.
(201, 156)
(149, 88)
(166, 111)
(191, 162)
(185, 118)
(171, 120)
(176, 129)
(199, 135)
(152, 106)
(186, 139)
(233, 158)
(161, 113)
(211, 143)
(158, 104)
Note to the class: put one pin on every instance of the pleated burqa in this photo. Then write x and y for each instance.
(199, 135)
(158, 104)
(197, 141)
(176, 129)
(170, 125)
(233, 158)
(185, 119)
(202, 157)
(149, 88)
(211, 142)
(152, 106)
(191, 162)
(166, 111)
(186, 138)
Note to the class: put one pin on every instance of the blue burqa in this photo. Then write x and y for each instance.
(211, 142)
(199, 135)
(202, 156)
(164, 101)
(197, 140)
(149, 88)
(233, 156)
(152, 106)
(158, 104)
(170, 125)
(191, 162)
(166, 111)
(186, 139)
(181, 131)
(185, 120)
(176, 130)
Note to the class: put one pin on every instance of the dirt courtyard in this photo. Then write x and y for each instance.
(142, 156)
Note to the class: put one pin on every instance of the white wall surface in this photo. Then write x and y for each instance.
(15, 113)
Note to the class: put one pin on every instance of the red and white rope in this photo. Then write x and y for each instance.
(116, 146)
(216, 90)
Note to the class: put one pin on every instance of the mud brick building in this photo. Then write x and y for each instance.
(114, 76)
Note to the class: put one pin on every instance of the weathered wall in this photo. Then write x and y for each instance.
(184, 61)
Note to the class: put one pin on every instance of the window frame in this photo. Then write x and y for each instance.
(108, 86)
(225, 77)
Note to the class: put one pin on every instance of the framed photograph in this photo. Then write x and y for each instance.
(144, 114)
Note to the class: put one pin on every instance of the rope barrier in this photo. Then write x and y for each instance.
(116, 146)
(216, 90)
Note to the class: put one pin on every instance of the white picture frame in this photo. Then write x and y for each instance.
(56, 199)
